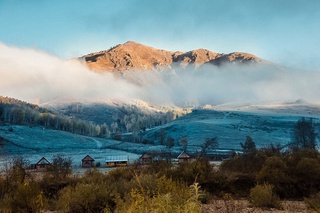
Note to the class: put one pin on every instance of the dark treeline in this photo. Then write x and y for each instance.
(13, 111)
(128, 118)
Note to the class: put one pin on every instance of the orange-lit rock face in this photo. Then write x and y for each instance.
(132, 55)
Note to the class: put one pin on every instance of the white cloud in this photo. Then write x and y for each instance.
(30, 75)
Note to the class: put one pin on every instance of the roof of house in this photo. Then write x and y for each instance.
(183, 155)
(43, 161)
(87, 158)
(117, 158)
(146, 156)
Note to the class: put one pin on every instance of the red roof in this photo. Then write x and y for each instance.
(43, 160)
(146, 156)
(87, 158)
(183, 155)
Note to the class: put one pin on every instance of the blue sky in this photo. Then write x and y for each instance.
(283, 31)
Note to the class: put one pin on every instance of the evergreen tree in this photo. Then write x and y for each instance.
(248, 146)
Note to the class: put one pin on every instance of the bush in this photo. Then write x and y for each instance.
(313, 202)
(26, 198)
(250, 163)
(274, 171)
(308, 173)
(263, 196)
(85, 197)
(160, 195)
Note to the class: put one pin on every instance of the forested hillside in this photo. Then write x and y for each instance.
(13, 111)
(91, 119)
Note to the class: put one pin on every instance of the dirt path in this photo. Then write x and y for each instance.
(243, 206)
(98, 143)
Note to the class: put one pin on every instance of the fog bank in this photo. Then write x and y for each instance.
(36, 76)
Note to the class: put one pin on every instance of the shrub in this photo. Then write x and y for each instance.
(274, 171)
(308, 173)
(249, 163)
(26, 198)
(84, 198)
(162, 195)
(197, 171)
(313, 202)
(263, 196)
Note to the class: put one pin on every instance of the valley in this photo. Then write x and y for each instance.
(266, 124)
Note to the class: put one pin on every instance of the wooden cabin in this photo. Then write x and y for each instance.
(145, 159)
(42, 165)
(183, 157)
(116, 161)
(87, 162)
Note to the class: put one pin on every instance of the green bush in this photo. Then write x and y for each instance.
(263, 196)
(313, 202)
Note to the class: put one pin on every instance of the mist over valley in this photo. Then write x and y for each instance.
(142, 92)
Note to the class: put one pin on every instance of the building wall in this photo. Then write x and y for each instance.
(116, 164)
(42, 167)
(110, 164)
(87, 164)
(183, 160)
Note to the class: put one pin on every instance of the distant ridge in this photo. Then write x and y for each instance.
(132, 55)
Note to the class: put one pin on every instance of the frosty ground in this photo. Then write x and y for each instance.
(266, 124)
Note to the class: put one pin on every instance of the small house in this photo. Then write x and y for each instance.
(145, 159)
(42, 165)
(183, 157)
(87, 162)
(116, 161)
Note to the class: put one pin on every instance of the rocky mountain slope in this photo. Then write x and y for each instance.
(132, 55)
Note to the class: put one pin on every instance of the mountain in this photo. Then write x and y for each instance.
(134, 56)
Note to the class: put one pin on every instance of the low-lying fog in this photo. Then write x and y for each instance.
(37, 77)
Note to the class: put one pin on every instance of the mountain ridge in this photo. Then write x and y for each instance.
(135, 56)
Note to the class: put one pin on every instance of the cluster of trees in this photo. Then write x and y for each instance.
(129, 118)
(13, 111)
(134, 120)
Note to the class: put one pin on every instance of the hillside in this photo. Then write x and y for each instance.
(36, 142)
(16, 112)
(134, 56)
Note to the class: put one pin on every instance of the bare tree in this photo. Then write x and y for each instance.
(304, 135)
(169, 142)
(61, 166)
(184, 143)
(209, 143)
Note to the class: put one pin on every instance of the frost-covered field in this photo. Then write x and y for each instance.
(271, 124)
(266, 124)
(37, 142)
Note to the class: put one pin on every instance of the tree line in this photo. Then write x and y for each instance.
(13, 111)
(128, 119)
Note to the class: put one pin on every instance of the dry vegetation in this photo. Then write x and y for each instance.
(243, 206)
(242, 184)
